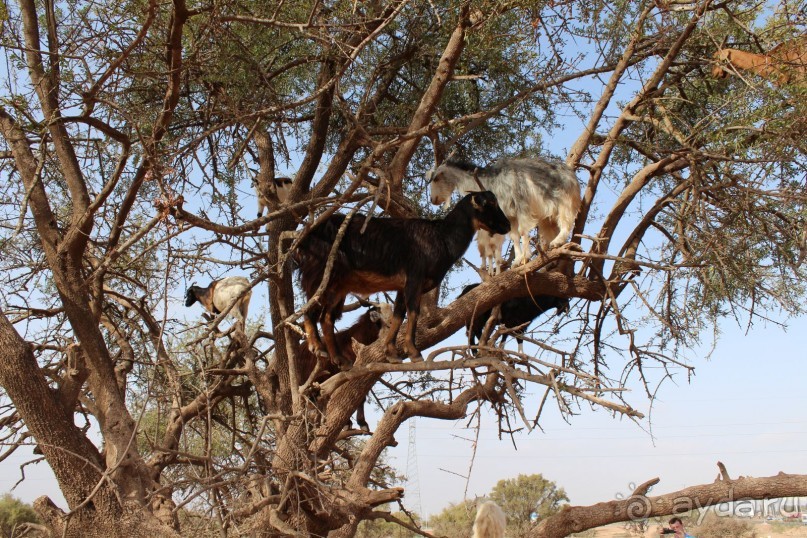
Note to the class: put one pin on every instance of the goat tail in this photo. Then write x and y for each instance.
(490, 521)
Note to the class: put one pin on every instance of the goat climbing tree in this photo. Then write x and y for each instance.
(131, 134)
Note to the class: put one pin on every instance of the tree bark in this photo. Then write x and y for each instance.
(574, 519)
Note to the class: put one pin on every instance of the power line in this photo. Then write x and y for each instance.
(412, 479)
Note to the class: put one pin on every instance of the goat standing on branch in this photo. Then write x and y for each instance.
(410, 256)
(490, 251)
(785, 63)
(282, 186)
(515, 314)
(220, 294)
(532, 192)
(490, 521)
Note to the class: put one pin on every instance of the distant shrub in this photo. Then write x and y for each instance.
(13, 513)
(722, 527)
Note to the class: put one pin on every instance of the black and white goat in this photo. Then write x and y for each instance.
(282, 186)
(531, 192)
(220, 294)
(515, 314)
(490, 521)
(410, 256)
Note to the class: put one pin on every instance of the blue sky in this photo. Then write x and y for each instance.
(745, 406)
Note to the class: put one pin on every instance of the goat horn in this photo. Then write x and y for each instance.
(476, 178)
(436, 148)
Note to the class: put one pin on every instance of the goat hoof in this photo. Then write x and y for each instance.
(394, 359)
(417, 357)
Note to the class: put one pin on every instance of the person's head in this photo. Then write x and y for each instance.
(677, 525)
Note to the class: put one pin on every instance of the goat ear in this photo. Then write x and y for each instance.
(475, 203)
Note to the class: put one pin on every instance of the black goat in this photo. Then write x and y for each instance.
(410, 256)
(515, 314)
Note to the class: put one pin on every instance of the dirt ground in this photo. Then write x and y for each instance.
(762, 528)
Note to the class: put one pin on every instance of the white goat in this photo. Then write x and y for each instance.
(282, 186)
(220, 294)
(490, 250)
(490, 521)
(531, 192)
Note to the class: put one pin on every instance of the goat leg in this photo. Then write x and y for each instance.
(413, 295)
(409, 338)
(392, 331)
(520, 259)
(330, 342)
(314, 343)
(360, 418)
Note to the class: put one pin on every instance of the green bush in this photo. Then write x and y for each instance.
(13, 513)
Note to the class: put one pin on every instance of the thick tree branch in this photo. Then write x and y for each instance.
(576, 519)
(49, 422)
(430, 99)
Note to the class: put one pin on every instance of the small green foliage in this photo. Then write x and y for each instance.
(518, 497)
(13, 513)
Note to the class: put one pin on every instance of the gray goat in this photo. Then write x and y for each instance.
(531, 192)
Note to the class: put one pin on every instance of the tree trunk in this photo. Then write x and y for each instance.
(78, 466)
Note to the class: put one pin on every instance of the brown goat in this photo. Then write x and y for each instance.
(785, 63)
(365, 330)
(370, 326)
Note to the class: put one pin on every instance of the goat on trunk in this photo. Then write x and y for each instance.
(367, 329)
(531, 192)
(281, 185)
(220, 294)
(490, 251)
(410, 256)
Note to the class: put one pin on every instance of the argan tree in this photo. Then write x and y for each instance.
(133, 130)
